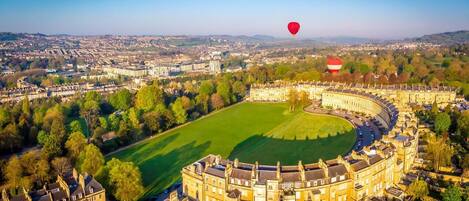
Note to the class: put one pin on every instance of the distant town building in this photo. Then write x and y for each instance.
(132, 71)
(215, 66)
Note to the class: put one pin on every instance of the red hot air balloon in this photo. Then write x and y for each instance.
(334, 64)
(293, 27)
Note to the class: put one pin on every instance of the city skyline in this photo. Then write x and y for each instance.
(367, 19)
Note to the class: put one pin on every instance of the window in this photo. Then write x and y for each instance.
(74, 198)
(79, 195)
(333, 179)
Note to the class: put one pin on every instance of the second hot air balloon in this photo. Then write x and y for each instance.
(293, 27)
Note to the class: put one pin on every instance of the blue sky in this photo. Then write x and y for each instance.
(318, 18)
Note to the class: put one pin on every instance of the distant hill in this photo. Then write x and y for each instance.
(349, 40)
(446, 38)
(8, 36)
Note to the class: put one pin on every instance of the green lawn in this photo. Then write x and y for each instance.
(248, 131)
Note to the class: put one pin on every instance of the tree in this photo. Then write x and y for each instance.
(216, 101)
(187, 103)
(61, 165)
(103, 122)
(25, 108)
(148, 97)
(202, 102)
(439, 151)
(91, 159)
(57, 129)
(153, 121)
(224, 90)
(125, 180)
(452, 193)
(114, 121)
(42, 137)
(75, 144)
(52, 146)
(206, 88)
(442, 122)
(293, 99)
(179, 111)
(121, 100)
(90, 110)
(134, 117)
(77, 126)
(239, 89)
(463, 124)
(41, 171)
(53, 113)
(304, 98)
(4, 117)
(13, 172)
(418, 189)
(10, 138)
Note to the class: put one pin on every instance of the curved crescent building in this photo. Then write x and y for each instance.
(374, 171)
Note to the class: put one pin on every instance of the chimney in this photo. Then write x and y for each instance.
(278, 170)
(81, 181)
(302, 170)
(324, 167)
(75, 174)
(254, 170)
(236, 162)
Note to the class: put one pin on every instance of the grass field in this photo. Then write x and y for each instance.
(248, 131)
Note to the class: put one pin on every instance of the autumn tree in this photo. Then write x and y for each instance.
(224, 90)
(61, 165)
(439, 151)
(41, 171)
(148, 97)
(91, 159)
(202, 103)
(304, 98)
(122, 179)
(13, 172)
(179, 111)
(418, 189)
(293, 99)
(216, 101)
(10, 139)
(206, 88)
(75, 144)
(239, 89)
(153, 121)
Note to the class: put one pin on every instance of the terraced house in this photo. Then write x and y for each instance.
(73, 187)
(373, 171)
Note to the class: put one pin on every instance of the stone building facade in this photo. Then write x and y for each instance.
(374, 171)
(70, 187)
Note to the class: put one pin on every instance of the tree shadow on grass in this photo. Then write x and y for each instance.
(269, 150)
(162, 170)
(140, 151)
